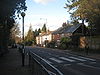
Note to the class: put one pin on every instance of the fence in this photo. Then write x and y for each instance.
(40, 66)
(94, 42)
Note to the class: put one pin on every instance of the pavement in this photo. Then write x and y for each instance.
(11, 64)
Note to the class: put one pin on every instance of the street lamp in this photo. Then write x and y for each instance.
(23, 56)
(23, 15)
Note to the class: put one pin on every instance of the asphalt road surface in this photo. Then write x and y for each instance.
(68, 63)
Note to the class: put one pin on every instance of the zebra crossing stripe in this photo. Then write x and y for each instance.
(70, 60)
(77, 58)
(56, 60)
(88, 58)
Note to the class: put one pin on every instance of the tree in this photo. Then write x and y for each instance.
(39, 30)
(15, 33)
(75, 22)
(44, 28)
(86, 10)
(36, 32)
(8, 8)
(29, 38)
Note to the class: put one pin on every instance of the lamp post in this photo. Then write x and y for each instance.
(23, 56)
(23, 15)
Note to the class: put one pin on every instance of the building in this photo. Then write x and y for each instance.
(44, 38)
(72, 31)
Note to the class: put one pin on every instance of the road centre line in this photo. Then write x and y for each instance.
(56, 60)
(70, 60)
(77, 58)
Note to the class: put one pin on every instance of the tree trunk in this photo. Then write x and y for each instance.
(3, 40)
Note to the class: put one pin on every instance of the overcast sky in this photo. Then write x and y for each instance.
(52, 10)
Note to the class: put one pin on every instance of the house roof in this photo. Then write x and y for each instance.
(67, 29)
(58, 30)
(71, 29)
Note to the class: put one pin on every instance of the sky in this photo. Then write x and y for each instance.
(51, 12)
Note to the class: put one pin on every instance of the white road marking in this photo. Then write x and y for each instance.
(67, 64)
(51, 73)
(48, 61)
(70, 60)
(82, 64)
(77, 58)
(60, 73)
(56, 60)
(87, 58)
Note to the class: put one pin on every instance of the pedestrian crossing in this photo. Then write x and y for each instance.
(67, 59)
(77, 59)
(56, 60)
(71, 59)
(87, 58)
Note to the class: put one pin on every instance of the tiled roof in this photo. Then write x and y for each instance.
(71, 29)
(67, 29)
(57, 31)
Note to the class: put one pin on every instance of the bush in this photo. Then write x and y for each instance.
(62, 46)
(28, 43)
(51, 44)
(65, 42)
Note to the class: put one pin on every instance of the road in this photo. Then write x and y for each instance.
(68, 63)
